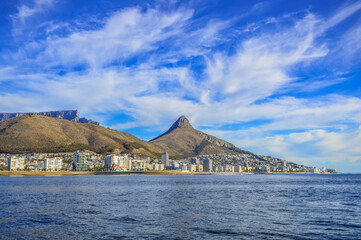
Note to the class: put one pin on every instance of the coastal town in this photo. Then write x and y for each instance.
(181, 149)
(88, 161)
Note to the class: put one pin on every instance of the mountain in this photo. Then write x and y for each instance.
(72, 115)
(36, 133)
(182, 140)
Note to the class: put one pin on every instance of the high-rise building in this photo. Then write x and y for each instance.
(79, 162)
(16, 163)
(112, 162)
(117, 162)
(53, 164)
(238, 168)
(207, 165)
(165, 159)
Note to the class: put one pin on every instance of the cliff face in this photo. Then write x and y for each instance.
(71, 115)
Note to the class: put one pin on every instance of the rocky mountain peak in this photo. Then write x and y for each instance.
(182, 122)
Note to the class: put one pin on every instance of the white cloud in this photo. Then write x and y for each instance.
(127, 33)
(312, 85)
(341, 15)
(260, 66)
(124, 34)
(349, 47)
(24, 11)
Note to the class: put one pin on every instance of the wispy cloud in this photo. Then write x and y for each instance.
(26, 11)
(125, 33)
(340, 16)
(260, 65)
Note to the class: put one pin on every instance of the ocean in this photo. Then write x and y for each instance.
(255, 206)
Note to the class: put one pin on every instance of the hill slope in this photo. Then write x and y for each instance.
(182, 140)
(36, 133)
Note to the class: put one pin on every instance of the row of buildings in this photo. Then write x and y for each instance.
(49, 164)
(48, 161)
(248, 162)
(84, 161)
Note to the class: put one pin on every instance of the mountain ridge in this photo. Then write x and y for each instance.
(37, 133)
(181, 139)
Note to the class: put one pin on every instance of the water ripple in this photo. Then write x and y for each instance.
(181, 207)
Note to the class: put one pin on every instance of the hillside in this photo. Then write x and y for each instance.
(182, 140)
(35, 133)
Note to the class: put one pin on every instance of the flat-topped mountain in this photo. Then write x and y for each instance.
(182, 140)
(72, 115)
(35, 133)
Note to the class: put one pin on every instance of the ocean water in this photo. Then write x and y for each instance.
(181, 207)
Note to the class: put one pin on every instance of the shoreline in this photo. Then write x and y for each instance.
(64, 173)
(67, 173)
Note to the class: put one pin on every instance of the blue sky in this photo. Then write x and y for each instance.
(279, 78)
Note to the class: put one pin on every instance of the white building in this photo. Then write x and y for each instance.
(184, 168)
(117, 162)
(16, 163)
(53, 164)
(273, 169)
(140, 165)
(157, 167)
(314, 170)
